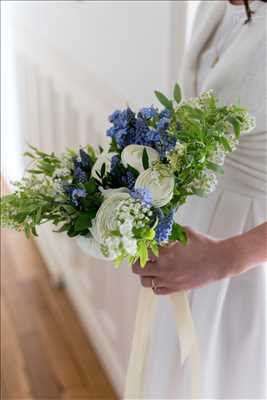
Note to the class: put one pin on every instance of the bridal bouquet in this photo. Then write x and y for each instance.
(121, 201)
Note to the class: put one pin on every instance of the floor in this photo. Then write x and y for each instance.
(45, 353)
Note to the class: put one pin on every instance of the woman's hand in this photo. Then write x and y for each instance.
(202, 261)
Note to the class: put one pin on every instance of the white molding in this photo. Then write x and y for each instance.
(104, 349)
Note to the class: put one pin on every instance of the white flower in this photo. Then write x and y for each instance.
(132, 155)
(103, 158)
(106, 219)
(110, 192)
(218, 156)
(130, 245)
(159, 183)
(206, 183)
(126, 227)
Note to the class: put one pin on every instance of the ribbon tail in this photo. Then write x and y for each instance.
(187, 338)
(140, 345)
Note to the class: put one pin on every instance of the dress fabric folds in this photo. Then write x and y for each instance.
(229, 315)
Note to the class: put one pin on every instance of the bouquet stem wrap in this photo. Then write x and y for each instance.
(140, 346)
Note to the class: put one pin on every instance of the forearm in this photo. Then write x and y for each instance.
(249, 249)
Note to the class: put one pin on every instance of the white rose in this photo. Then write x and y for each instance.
(103, 158)
(132, 155)
(105, 220)
(161, 185)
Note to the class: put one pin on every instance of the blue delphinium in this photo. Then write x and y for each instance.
(85, 159)
(163, 124)
(142, 194)
(123, 123)
(115, 162)
(129, 179)
(165, 113)
(79, 175)
(164, 227)
(148, 112)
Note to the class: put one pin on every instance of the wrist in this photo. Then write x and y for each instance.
(235, 255)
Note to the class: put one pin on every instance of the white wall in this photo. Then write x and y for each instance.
(127, 44)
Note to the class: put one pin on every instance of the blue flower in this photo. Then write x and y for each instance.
(142, 194)
(129, 179)
(165, 113)
(164, 227)
(115, 162)
(167, 143)
(76, 195)
(163, 124)
(123, 124)
(114, 117)
(153, 136)
(147, 112)
(85, 159)
(79, 174)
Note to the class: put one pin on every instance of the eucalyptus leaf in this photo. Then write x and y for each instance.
(164, 100)
(177, 93)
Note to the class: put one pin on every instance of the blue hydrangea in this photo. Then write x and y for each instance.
(142, 194)
(148, 112)
(164, 227)
(79, 175)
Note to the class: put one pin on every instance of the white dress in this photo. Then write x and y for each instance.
(229, 315)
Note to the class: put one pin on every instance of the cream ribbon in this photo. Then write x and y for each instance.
(140, 346)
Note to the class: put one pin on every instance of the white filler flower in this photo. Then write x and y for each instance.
(132, 155)
(103, 158)
(160, 184)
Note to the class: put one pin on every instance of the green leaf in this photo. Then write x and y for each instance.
(90, 186)
(215, 167)
(143, 253)
(164, 100)
(82, 222)
(64, 228)
(103, 170)
(236, 125)
(145, 159)
(225, 144)
(119, 260)
(178, 233)
(33, 230)
(177, 93)
(154, 248)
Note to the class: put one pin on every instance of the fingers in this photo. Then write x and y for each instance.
(149, 270)
(146, 281)
(163, 291)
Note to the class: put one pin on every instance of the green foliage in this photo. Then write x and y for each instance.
(178, 233)
(164, 100)
(145, 160)
(177, 93)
